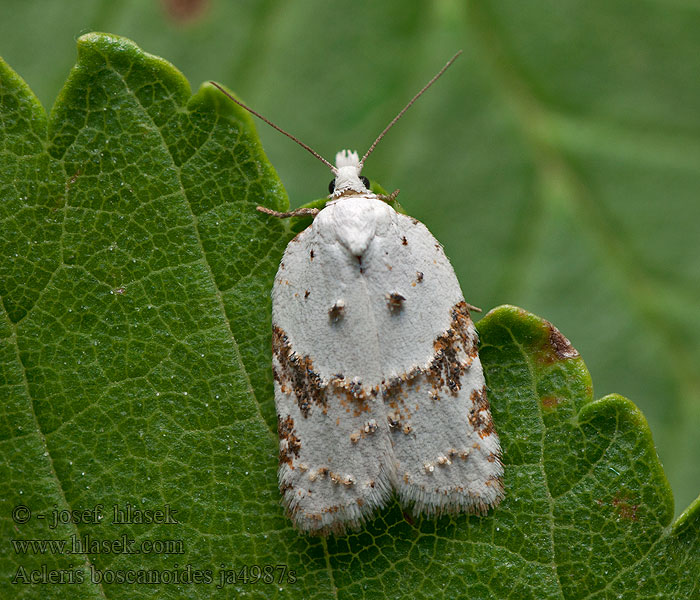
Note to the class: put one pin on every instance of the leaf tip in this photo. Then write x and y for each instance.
(209, 93)
(546, 342)
(630, 424)
(122, 54)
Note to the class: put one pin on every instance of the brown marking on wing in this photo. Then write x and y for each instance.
(480, 415)
(447, 366)
(394, 302)
(296, 372)
(290, 444)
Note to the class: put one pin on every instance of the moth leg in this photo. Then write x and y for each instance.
(389, 198)
(299, 212)
(473, 308)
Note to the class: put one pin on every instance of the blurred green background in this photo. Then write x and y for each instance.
(558, 161)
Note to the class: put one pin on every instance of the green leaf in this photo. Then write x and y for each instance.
(135, 370)
(558, 160)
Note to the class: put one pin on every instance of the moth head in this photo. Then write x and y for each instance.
(347, 175)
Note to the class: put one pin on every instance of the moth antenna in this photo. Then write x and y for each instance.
(405, 108)
(271, 124)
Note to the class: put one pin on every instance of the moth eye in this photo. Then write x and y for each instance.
(331, 186)
(364, 180)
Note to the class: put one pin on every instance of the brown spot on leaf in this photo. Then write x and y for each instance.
(557, 346)
(550, 401)
(73, 179)
(625, 508)
(562, 346)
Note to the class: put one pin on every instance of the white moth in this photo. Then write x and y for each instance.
(378, 383)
